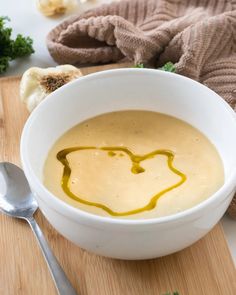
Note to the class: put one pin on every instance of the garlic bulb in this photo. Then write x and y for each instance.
(37, 83)
(54, 7)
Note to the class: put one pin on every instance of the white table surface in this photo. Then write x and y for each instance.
(27, 20)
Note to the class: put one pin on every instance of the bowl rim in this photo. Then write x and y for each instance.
(74, 213)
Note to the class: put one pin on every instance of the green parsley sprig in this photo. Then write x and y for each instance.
(168, 67)
(11, 49)
(140, 66)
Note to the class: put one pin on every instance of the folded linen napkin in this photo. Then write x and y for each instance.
(199, 36)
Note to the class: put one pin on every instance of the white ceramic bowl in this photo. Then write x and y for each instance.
(125, 89)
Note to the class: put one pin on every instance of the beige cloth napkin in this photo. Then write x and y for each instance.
(199, 36)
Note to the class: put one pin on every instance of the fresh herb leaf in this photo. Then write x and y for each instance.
(11, 49)
(22, 46)
(140, 66)
(169, 67)
(4, 63)
(174, 293)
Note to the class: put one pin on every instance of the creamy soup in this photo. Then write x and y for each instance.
(133, 164)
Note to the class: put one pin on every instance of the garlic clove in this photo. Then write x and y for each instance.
(37, 83)
(55, 7)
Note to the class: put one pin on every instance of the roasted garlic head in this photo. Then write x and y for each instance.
(37, 83)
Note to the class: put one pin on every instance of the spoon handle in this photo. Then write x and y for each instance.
(62, 283)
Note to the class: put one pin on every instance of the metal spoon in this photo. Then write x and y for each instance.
(16, 200)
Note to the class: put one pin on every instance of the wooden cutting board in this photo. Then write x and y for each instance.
(204, 268)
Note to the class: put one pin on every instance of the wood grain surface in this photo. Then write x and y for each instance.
(204, 268)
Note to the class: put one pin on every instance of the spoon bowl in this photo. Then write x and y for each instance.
(16, 198)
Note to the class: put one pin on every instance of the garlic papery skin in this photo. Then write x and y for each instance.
(37, 83)
(55, 7)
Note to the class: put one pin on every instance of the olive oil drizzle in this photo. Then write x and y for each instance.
(136, 169)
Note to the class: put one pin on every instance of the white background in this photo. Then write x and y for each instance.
(27, 20)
